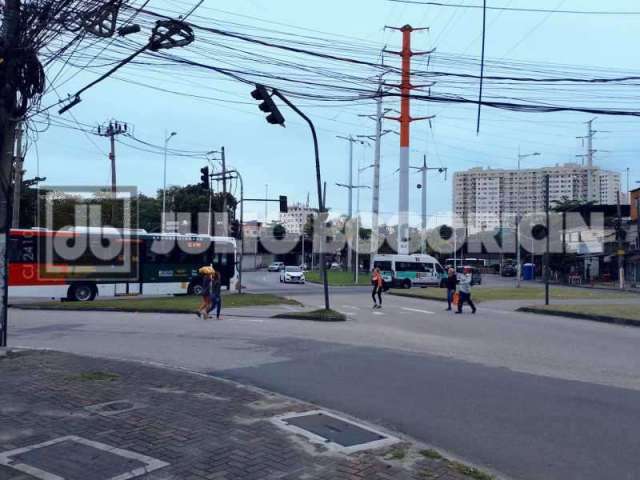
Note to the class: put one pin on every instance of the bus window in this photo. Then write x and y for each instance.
(408, 267)
(424, 267)
(384, 266)
(439, 268)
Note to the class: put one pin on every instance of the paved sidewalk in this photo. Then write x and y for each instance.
(165, 424)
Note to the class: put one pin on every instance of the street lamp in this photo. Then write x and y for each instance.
(518, 260)
(164, 179)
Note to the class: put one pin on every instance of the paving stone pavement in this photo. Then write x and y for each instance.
(193, 427)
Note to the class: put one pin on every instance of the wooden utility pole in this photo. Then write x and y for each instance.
(10, 33)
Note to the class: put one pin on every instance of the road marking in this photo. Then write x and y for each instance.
(351, 307)
(377, 313)
(418, 311)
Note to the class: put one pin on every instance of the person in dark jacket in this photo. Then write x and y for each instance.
(216, 294)
(451, 283)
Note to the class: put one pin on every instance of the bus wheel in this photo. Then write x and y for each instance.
(195, 289)
(406, 283)
(82, 292)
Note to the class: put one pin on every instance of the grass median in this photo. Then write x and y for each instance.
(176, 304)
(623, 314)
(339, 279)
(489, 294)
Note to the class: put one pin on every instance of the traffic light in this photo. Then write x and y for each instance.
(268, 105)
(284, 208)
(204, 177)
(234, 229)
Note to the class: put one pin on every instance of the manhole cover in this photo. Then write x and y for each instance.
(75, 458)
(114, 408)
(334, 432)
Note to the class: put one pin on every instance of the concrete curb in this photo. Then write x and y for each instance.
(301, 316)
(581, 316)
(408, 295)
(228, 311)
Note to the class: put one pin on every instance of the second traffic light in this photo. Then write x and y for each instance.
(204, 177)
(284, 208)
(268, 105)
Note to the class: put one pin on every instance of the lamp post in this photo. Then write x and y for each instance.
(518, 260)
(164, 179)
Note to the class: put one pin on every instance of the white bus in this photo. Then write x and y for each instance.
(408, 270)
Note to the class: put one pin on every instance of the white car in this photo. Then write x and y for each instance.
(275, 267)
(292, 275)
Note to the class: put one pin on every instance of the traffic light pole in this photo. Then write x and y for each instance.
(241, 230)
(321, 206)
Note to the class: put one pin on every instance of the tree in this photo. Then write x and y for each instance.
(567, 204)
(279, 232)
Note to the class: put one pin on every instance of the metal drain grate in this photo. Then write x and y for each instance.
(75, 458)
(334, 432)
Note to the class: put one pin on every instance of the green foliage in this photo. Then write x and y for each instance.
(145, 212)
(431, 453)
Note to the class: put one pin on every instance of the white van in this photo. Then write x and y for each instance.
(408, 270)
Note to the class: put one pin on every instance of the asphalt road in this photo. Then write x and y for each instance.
(532, 397)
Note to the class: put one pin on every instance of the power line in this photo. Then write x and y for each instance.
(517, 9)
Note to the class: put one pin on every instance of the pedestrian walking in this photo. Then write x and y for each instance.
(451, 284)
(216, 294)
(207, 277)
(378, 284)
(465, 290)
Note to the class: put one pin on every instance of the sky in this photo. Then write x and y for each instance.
(283, 158)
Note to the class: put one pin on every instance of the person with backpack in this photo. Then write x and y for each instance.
(451, 283)
(216, 295)
(207, 276)
(378, 284)
(465, 291)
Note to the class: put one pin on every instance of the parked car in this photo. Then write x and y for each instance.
(276, 267)
(508, 270)
(476, 276)
(335, 266)
(291, 274)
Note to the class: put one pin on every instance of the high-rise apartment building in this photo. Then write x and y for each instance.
(488, 198)
(295, 219)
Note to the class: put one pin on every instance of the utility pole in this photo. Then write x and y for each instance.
(620, 243)
(111, 130)
(405, 120)
(424, 169)
(18, 173)
(350, 186)
(10, 33)
(589, 156)
(547, 251)
(377, 139)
